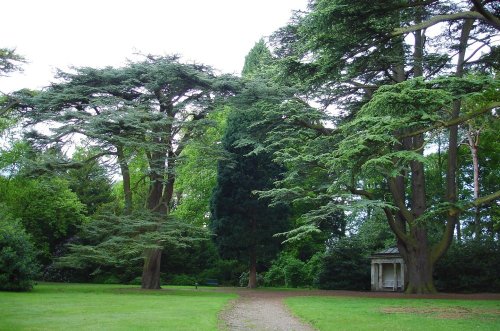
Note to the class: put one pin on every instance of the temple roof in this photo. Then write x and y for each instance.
(387, 252)
(390, 250)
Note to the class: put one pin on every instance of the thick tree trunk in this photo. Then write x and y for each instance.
(419, 266)
(160, 196)
(152, 257)
(452, 217)
(151, 270)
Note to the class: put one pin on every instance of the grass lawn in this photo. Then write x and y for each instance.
(350, 313)
(110, 307)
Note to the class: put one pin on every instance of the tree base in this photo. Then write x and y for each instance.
(421, 289)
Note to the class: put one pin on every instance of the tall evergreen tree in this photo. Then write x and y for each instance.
(243, 223)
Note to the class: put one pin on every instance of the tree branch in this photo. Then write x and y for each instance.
(388, 213)
(486, 199)
(492, 19)
(444, 18)
(395, 228)
(453, 122)
(400, 203)
(440, 248)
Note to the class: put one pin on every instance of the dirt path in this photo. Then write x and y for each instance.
(260, 311)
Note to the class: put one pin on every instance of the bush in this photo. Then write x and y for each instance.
(288, 271)
(18, 268)
(314, 267)
(105, 278)
(470, 266)
(346, 266)
(227, 272)
(136, 281)
(182, 280)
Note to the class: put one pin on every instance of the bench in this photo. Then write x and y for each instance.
(212, 282)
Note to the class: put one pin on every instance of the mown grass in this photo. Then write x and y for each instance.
(349, 313)
(110, 307)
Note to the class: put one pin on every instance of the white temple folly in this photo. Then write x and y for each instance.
(388, 271)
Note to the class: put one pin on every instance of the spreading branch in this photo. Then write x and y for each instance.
(492, 19)
(453, 122)
(486, 199)
(495, 22)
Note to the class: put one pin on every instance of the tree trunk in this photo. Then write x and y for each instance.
(127, 191)
(152, 257)
(252, 275)
(160, 195)
(151, 270)
(419, 266)
(473, 145)
(452, 217)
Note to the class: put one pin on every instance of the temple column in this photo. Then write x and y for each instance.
(373, 280)
(403, 277)
(380, 277)
(395, 283)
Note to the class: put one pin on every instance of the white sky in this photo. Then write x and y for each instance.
(60, 33)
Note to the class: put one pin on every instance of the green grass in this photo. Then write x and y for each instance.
(349, 313)
(110, 307)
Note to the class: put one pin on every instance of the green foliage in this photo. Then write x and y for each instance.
(144, 112)
(256, 60)
(120, 240)
(470, 266)
(235, 206)
(243, 222)
(227, 272)
(196, 174)
(182, 279)
(287, 271)
(197, 258)
(47, 208)
(346, 266)
(18, 266)
(10, 61)
(91, 182)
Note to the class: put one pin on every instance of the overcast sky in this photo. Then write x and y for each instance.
(60, 33)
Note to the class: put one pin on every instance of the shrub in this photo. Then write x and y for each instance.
(227, 272)
(288, 271)
(346, 266)
(17, 257)
(314, 267)
(182, 280)
(105, 278)
(136, 281)
(470, 266)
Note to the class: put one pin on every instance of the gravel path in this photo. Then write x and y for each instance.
(254, 311)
